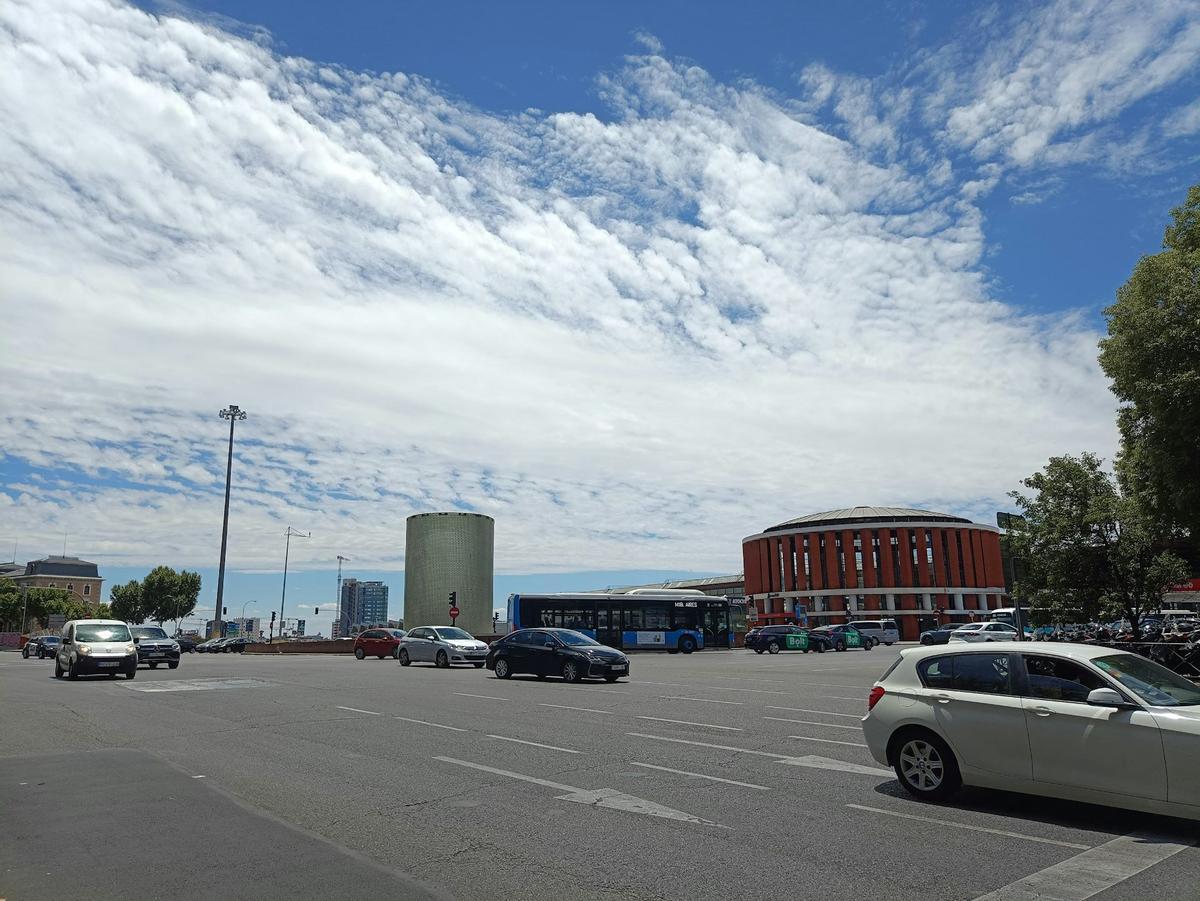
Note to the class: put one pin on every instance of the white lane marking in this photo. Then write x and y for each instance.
(356, 710)
(852, 716)
(521, 741)
(601, 797)
(607, 691)
(671, 684)
(841, 766)
(702, 700)
(667, 769)
(511, 775)
(195, 684)
(197, 777)
(463, 694)
(957, 825)
(764, 691)
(705, 744)
(659, 719)
(829, 741)
(1092, 872)
(427, 723)
(841, 698)
(584, 709)
(780, 719)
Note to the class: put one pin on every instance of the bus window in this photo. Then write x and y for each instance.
(656, 617)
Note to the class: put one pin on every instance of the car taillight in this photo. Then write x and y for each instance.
(873, 698)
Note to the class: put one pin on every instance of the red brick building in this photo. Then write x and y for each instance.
(914, 566)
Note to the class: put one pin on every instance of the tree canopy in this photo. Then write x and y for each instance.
(1152, 355)
(38, 605)
(162, 595)
(1090, 551)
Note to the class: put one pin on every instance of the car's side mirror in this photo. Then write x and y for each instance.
(136, 640)
(1108, 697)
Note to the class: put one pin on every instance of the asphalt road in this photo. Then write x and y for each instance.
(712, 776)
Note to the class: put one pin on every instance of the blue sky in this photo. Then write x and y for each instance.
(635, 279)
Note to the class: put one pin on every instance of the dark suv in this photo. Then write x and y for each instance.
(154, 646)
(774, 639)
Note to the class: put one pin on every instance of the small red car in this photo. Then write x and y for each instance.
(379, 643)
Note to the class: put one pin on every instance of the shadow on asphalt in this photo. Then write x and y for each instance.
(1051, 811)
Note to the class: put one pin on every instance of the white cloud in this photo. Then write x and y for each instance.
(631, 340)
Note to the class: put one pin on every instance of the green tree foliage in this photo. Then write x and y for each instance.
(10, 605)
(1152, 355)
(1090, 551)
(127, 602)
(170, 595)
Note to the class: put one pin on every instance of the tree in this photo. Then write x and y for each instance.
(169, 595)
(1090, 550)
(11, 604)
(127, 602)
(1152, 355)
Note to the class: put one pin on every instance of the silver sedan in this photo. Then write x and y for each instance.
(442, 646)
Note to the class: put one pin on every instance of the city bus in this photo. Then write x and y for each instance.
(643, 619)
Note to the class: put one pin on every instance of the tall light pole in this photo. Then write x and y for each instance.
(338, 608)
(287, 550)
(233, 413)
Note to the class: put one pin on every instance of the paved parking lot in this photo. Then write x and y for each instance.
(716, 775)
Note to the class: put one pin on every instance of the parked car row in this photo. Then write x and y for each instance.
(773, 639)
(225, 645)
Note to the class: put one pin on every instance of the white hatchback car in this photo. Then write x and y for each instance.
(1071, 721)
(984, 632)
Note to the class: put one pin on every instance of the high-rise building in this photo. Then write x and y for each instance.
(362, 603)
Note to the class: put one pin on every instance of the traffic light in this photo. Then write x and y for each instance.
(316, 611)
(224, 611)
(272, 616)
(453, 598)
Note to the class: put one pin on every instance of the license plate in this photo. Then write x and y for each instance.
(156, 654)
(107, 663)
(620, 667)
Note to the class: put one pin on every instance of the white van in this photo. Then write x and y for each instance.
(884, 631)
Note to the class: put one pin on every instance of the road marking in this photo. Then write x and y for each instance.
(852, 716)
(601, 797)
(703, 700)
(1029, 838)
(535, 744)
(670, 684)
(356, 710)
(659, 719)
(426, 723)
(1092, 872)
(841, 766)
(584, 709)
(195, 684)
(607, 691)
(704, 744)
(197, 777)
(829, 741)
(463, 694)
(780, 719)
(667, 769)
(757, 691)
(840, 698)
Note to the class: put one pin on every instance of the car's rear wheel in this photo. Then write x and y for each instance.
(773, 648)
(926, 639)
(925, 765)
(173, 665)
(25, 652)
(820, 647)
(503, 670)
(402, 656)
(359, 653)
(131, 674)
(840, 646)
(442, 660)
(570, 671)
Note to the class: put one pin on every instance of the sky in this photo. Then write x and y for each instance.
(637, 280)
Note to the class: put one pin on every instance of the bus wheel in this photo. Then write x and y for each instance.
(687, 644)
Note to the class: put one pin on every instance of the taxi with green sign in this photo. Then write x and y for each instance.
(773, 639)
(844, 637)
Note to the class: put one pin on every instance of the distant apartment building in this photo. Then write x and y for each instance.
(234, 628)
(361, 603)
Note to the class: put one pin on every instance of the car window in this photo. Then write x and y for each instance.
(1055, 679)
(937, 672)
(1150, 681)
(982, 672)
(448, 633)
(148, 632)
(418, 633)
(537, 639)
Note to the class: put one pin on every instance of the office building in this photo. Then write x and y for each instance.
(361, 603)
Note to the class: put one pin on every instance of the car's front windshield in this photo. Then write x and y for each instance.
(86, 632)
(148, 632)
(1150, 681)
(49, 639)
(575, 638)
(449, 634)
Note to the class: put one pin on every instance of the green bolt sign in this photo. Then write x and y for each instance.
(853, 640)
(796, 642)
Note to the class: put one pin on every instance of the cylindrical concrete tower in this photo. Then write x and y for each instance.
(445, 552)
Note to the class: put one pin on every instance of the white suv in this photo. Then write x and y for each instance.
(884, 631)
(984, 632)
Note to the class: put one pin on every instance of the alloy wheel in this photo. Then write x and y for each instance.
(922, 765)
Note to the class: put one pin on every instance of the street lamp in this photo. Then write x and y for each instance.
(338, 608)
(286, 551)
(233, 413)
